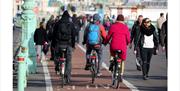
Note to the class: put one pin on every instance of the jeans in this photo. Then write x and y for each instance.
(146, 55)
(138, 57)
(68, 64)
(99, 54)
(39, 52)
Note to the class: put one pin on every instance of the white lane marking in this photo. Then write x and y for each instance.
(47, 77)
(128, 84)
(73, 87)
(87, 86)
(96, 86)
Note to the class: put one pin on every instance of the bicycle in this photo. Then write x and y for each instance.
(116, 72)
(62, 61)
(94, 63)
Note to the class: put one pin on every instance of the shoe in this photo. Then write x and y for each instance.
(145, 78)
(138, 68)
(87, 67)
(57, 73)
(51, 58)
(121, 78)
(99, 74)
(111, 66)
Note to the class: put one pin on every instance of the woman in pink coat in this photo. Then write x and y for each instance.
(120, 37)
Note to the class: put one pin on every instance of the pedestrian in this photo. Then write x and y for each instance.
(40, 39)
(164, 35)
(135, 33)
(77, 25)
(148, 43)
(94, 34)
(49, 28)
(120, 37)
(160, 21)
(64, 38)
(106, 23)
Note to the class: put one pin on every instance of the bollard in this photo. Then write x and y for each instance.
(21, 72)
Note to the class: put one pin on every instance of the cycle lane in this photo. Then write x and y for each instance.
(81, 79)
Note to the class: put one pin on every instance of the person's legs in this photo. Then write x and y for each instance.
(39, 52)
(144, 61)
(99, 53)
(149, 56)
(68, 65)
(56, 61)
(52, 52)
(138, 59)
(78, 37)
(88, 52)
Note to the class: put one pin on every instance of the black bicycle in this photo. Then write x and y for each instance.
(62, 61)
(116, 72)
(94, 62)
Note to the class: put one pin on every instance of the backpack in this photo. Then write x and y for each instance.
(93, 34)
(64, 32)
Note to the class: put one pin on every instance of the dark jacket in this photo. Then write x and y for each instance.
(76, 23)
(135, 32)
(148, 32)
(40, 36)
(49, 28)
(163, 34)
(65, 19)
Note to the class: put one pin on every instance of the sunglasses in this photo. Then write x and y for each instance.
(148, 21)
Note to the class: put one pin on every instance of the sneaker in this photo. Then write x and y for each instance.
(87, 67)
(138, 68)
(57, 73)
(99, 74)
(145, 78)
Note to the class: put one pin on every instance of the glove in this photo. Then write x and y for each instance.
(83, 43)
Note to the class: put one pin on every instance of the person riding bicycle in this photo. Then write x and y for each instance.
(64, 37)
(120, 37)
(96, 31)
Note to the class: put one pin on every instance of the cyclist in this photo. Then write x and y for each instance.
(120, 37)
(89, 46)
(134, 36)
(64, 37)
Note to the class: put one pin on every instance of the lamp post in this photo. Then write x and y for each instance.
(28, 28)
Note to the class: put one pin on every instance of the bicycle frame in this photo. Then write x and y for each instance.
(93, 61)
(116, 70)
(62, 61)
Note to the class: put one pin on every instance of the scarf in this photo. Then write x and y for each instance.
(147, 31)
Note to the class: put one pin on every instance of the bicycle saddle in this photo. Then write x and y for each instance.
(63, 49)
(118, 51)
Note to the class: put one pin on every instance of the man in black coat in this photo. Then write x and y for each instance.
(64, 37)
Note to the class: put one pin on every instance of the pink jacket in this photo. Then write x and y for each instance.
(120, 35)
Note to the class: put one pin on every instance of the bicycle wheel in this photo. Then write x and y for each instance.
(62, 74)
(118, 76)
(93, 71)
(114, 75)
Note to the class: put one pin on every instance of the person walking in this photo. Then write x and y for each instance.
(160, 21)
(120, 38)
(164, 35)
(134, 36)
(49, 28)
(94, 34)
(40, 39)
(77, 25)
(64, 38)
(148, 43)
